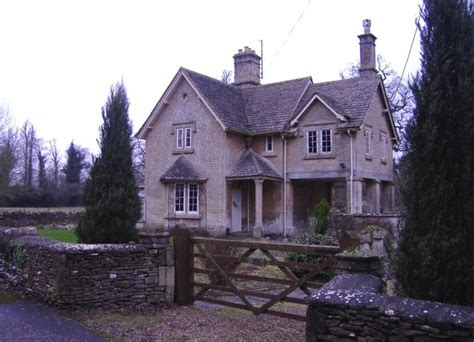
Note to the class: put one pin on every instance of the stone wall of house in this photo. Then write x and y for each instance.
(79, 275)
(351, 307)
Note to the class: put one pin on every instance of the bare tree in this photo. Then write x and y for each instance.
(226, 76)
(399, 94)
(29, 145)
(55, 164)
(8, 149)
(139, 160)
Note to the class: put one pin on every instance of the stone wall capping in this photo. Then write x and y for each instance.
(353, 304)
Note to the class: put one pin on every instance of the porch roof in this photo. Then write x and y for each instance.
(252, 165)
(182, 170)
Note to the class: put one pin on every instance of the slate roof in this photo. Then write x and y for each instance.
(350, 97)
(181, 170)
(269, 107)
(250, 164)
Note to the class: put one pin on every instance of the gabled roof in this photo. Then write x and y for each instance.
(350, 97)
(181, 170)
(269, 108)
(251, 165)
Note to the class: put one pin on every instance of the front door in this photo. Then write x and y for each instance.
(236, 210)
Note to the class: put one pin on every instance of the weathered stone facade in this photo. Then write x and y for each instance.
(352, 308)
(78, 275)
(222, 122)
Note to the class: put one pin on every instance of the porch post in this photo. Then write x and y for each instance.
(357, 183)
(377, 197)
(257, 231)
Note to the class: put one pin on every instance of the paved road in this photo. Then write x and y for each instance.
(26, 320)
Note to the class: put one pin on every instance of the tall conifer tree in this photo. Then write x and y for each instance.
(435, 259)
(111, 193)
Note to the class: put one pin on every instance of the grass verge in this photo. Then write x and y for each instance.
(62, 235)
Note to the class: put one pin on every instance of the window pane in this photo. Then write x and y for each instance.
(312, 142)
(179, 138)
(326, 140)
(193, 198)
(188, 138)
(269, 143)
(383, 148)
(179, 198)
(367, 142)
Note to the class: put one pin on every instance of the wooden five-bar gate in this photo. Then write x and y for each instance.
(223, 275)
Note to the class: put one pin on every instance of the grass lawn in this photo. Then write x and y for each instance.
(63, 235)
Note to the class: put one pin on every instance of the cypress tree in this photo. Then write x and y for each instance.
(111, 194)
(435, 256)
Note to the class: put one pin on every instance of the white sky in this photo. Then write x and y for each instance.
(59, 58)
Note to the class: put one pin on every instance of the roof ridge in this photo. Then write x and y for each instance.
(352, 79)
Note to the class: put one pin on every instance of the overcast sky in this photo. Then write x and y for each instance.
(59, 58)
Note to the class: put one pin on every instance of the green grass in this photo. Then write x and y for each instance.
(62, 235)
(6, 298)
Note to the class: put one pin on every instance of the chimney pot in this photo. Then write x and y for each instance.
(246, 68)
(367, 51)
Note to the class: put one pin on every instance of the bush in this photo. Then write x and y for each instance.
(321, 213)
(311, 239)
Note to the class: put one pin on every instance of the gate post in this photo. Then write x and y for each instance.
(184, 260)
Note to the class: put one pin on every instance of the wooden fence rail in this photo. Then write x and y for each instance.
(222, 272)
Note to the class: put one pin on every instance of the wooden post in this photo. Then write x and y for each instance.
(184, 276)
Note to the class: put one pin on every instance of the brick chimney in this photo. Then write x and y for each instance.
(246, 68)
(367, 51)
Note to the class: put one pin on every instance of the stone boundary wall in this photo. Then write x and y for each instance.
(351, 307)
(80, 275)
(33, 218)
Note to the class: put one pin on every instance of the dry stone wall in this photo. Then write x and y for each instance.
(79, 275)
(352, 308)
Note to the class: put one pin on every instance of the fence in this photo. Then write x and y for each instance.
(224, 274)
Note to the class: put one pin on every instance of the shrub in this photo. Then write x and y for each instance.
(225, 265)
(321, 213)
(311, 239)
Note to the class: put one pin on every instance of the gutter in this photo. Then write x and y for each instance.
(284, 186)
(351, 179)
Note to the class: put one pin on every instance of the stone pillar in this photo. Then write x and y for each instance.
(357, 195)
(159, 247)
(391, 193)
(377, 197)
(354, 204)
(333, 195)
(257, 231)
(290, 199)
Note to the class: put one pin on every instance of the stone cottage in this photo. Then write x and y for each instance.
(252, 157)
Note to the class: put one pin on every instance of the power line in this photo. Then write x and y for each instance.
(417, 22)
(291, 31)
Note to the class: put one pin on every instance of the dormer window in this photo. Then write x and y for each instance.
(269, 143)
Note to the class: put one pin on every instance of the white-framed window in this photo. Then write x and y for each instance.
(186, 198)
(184, 138)
(368, 138)
(179, 197)
(187, 138)
(326, 141)
(179, 138)
(312, 142)
(383, 146)
(193, 198)
(269, 143)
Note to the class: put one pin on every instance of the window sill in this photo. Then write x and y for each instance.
(183, 151)
(369, 158)
(383, 161)
(269, 154)
(183, 217)
(320, 156)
